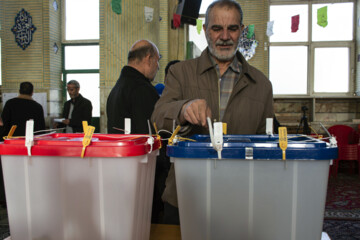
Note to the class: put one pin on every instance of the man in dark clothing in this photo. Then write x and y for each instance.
(133, 95)
(20, 109)
(77, 109)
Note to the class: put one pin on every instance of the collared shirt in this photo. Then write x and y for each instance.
(227, 82)
(68, 128)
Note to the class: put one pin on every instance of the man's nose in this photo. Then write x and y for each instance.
(225, 34)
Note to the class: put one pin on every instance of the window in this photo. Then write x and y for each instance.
(293, 75)
(200, 39)
(204, 6)
(89, 88)
(315, 60)
(82, 57)
(81, 49)
(81, 62)
(81, 19)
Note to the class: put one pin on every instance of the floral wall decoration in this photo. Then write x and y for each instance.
(23, 29)
(248, 43)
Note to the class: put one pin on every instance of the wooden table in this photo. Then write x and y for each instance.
(165, 232)
(172, 232)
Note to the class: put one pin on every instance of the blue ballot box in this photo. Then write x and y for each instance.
(251, 192)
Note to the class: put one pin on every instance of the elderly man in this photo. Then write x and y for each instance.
(133, 95)
(219, 84)
(77, 109)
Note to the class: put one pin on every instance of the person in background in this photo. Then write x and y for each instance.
(76, 110)
(159, 88)
(133, 95)
(219, 84)
(162, 168)
(2, 186)
(20, 109)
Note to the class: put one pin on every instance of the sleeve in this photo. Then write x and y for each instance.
(85, 114)
(143, 100)
(268, 110)
(168, 107)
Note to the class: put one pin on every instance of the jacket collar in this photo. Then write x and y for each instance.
(129, 71)
(205, 64)
(75, 100)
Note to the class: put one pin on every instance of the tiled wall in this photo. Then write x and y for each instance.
(38, 63)
(256, 12)
(117, 34)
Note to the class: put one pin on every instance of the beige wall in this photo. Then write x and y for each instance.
(37, 63)
(40, 65)
(119, 32)
(256, 12)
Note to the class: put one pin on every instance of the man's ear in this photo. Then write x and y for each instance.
(148, 59)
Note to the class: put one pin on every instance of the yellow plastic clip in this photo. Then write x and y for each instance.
(85, 126)
(224, 128)
(156, 130)
(283, 141)
(171, 139)
(12, 130)
(157, 135)
(87, 139)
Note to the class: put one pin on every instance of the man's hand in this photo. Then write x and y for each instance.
(66, 121)
(195, 112)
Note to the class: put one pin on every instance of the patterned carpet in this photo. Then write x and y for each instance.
(342, 230)
(343, 198)
(342, 211)
(4, 225)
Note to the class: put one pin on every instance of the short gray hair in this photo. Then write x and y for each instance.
(74, 82)
(223, 3)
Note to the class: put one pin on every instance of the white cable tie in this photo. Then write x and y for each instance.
(210, 130)
(333, 142)
(218, 137)
(150, 141)
(29, 136)
(269, 126)
(127, 124)
(174, 125)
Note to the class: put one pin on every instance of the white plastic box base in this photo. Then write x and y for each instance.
(65, 198)
(324, 236)
(251, 199)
